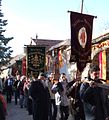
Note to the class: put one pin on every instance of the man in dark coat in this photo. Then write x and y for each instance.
(41, 98)
(9, 88)
(77, 109)
(95, 99)
(16, 90)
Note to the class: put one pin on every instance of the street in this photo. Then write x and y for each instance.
(14, 112)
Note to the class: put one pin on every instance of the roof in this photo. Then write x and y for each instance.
(46, 42)
(101, 38)
(61, 44)
(17, 57)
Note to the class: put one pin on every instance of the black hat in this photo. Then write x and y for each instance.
(94, 68)
(43, 74)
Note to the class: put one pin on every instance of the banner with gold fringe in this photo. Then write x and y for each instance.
(35, 60)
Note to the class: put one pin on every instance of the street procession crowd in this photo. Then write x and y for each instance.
(46, 99)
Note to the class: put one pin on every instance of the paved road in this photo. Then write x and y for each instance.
(14, 112)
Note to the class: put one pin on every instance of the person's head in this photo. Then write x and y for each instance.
(23, 78)
(50, 77)
(94, 72)
(18, 77)
(63, 77)
(42, 76)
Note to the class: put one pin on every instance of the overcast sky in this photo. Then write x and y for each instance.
(49, 19)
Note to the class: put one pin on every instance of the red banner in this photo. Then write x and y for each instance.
(81, 37)
(24, 66)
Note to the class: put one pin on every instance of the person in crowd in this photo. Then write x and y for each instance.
(1, 85)
(60, 88)
(41, 98)
(9, 88)
(25, 89)
(27, 99)
(16, 90)
(76, 105)
(3, 107)
(21, 90)
(53, 107)
(95, 98)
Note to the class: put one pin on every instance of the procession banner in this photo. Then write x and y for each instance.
(35, 60)
(100, 63)
(19, 66)
(24, 66)
(104, 65)
(60, 59)
(81, 37)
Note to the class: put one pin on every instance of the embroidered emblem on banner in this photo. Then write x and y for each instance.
(82, 37)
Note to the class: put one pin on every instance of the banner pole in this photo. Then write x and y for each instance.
(82, 6)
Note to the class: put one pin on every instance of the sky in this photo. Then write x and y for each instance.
(48, 19)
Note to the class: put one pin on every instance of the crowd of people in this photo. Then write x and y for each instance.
(47, 99)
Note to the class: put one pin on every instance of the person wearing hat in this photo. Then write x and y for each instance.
(41, 98)
(94, 98)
